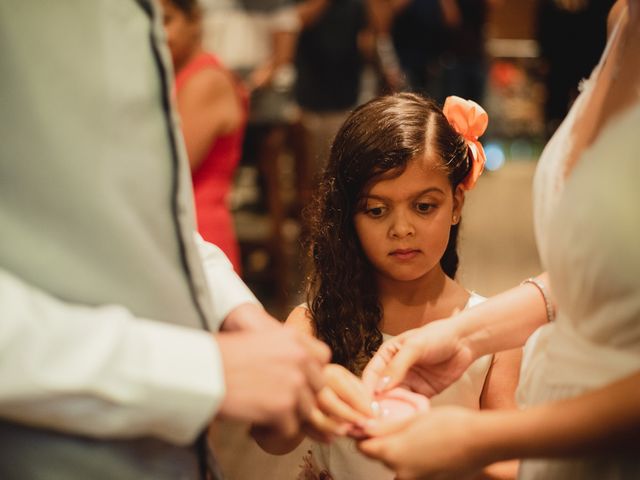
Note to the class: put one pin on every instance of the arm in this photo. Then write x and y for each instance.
(601, 421)
(499, 393)
(309, 11)
(209, 108)
(459, 441)
(502, 380)
(430, 358)
(275, 385)
(284, 37)
(451, 13)
(507, 320)
(100, 371)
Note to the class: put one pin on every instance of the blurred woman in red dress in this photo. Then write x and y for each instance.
(213, 108)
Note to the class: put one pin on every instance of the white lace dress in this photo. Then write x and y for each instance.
(341, 460)
(588, 235)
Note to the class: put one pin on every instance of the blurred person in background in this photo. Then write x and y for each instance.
(464, 61)
(572, 34)
(410, 37)
(213, 107)
(329, 62)
(111, 363)
(433, 47)
(256, 40)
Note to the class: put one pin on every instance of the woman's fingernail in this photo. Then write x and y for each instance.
(375, 408)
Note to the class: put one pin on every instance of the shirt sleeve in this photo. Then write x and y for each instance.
(226, 289)
(101, 371)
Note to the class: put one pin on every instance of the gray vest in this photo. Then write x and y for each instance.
(95, 198)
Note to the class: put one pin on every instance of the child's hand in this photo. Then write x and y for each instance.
(342, 403)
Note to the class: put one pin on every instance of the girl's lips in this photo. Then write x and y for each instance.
(407, 254)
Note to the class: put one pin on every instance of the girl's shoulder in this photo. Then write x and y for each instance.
(301, 319)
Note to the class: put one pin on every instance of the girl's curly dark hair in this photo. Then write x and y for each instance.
(376, 141)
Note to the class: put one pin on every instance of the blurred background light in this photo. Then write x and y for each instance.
(495, 156)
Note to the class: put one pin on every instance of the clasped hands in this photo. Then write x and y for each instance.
(395, 384)
(416, 443)
(281, 381)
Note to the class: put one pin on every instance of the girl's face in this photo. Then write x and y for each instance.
(183, 33)
(404, 222)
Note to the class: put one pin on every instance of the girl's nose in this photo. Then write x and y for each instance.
(401, 226)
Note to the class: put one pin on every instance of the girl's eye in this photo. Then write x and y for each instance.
(424, 207)
(375, 212)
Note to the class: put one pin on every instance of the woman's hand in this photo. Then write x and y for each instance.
(426, 359)
(439, 444)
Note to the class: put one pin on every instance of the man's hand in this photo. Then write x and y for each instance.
(341, 404)
(272, 376)
(426, 360)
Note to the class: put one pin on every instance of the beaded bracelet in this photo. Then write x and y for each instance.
(551, 312)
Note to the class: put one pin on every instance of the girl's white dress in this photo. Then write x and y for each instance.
(341, 460)
(588, 235)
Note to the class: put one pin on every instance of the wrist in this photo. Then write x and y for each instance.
(471, 335)
(248, 316)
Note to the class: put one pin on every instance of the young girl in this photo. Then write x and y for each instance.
(383, 236)
(213, 110)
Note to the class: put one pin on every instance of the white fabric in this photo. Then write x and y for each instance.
(587, 230)
(225, 287)
(128, 377)
(103, 294)
(342, 459)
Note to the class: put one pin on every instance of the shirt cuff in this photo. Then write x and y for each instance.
(226, 289)
(182, 374)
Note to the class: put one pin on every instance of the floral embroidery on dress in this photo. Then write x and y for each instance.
(309, 469)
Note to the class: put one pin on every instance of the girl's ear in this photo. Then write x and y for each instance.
(458, 203)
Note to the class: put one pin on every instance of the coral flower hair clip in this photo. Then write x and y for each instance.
(470, 120)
